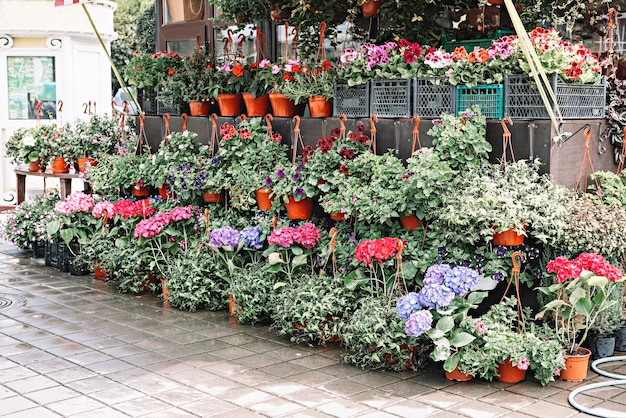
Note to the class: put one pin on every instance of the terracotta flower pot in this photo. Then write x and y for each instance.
(301, 209)
(212, 197)
(35, 166)
(337, 216)
(371, 7)
(509, 373)
(320, 107)
(141, 191)
(83, 163)
(230, 104)
(100, 273)
(410, 222)
(59, 166)
(256, 106)
(165, 192)
(457, 375)
(576, 366)
(284, 107)
(199, 108)
(263, 199)
(508, 238)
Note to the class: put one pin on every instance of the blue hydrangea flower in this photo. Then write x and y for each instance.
(435, 274)
(224, 237)
(407, 304)
(418, 323)
(461, 280)
(433, 297)
(251, 236)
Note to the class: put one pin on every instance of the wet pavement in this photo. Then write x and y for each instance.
(73, 346)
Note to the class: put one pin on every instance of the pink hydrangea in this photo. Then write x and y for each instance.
(307, 235)
(75, 202)
(281, 236)
(103, 207)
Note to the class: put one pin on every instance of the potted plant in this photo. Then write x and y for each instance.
(373, 338)
(313, 319)
(250, 155)
(583, 289)
(277, 76)
(514, 346)
(28, 145)
(315, 87)
(512, 197)
(25, 226)
(585, 215)
(329, 167)
(290, 183)
(426, 179)
(441, 311)
(191, 83)
(177, 149)
(602, 338)
(226, 87)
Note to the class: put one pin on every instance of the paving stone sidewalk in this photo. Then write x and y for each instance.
(72, 346)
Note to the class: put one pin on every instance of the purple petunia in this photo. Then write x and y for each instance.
(298, 191)
(418, 323)
(280, 173)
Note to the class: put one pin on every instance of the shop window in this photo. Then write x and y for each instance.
(30, 80)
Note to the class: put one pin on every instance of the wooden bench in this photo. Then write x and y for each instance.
(65, 181)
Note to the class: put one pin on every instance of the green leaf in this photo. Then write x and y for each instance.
(445, 324)
(299, 260)
(274, 258)
(461, 339)
(451, 363)
(53, 227)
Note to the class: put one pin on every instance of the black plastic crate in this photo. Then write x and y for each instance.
(353, 101)
(391, 98)
(54, 254)
(575, 101)
(433, 96)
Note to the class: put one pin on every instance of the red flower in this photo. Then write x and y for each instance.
(238, 70)
(170, 71)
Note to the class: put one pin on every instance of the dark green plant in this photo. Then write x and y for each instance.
(193, 281)
(373, 338)
(254, 295)
(311, 309)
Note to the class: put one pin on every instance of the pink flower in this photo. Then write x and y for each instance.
(307, 235)
(523, 363)
(101, 207)
(281, 236)
(480, 327)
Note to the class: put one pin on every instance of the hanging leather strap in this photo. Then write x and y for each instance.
(214, 141)
(373, 121)
(297, 139)
(506, 140)
(415, 134)
(185, 118)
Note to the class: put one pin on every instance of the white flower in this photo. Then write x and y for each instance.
(29, 141)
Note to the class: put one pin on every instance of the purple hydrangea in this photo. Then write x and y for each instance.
(461, 280)
(418, 323)
(433, 297)
(407, 304)
(435, 274)
(224, 237)
(251, 236)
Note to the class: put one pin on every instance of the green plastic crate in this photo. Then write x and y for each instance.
(450, 44)
(489, 97)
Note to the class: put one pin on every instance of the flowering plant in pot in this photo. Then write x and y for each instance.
(74, 222)
(486, 65)
(507, 337)
(312, 82)
(227, 78)
(329, 166)
(30, 144)
(290, 251)
(25, 226)
(583, 289)
(192, 81)
(250, 154)
(426, 179)
(176, 149)
(292, 180)
(150, 70)
(445, 300)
